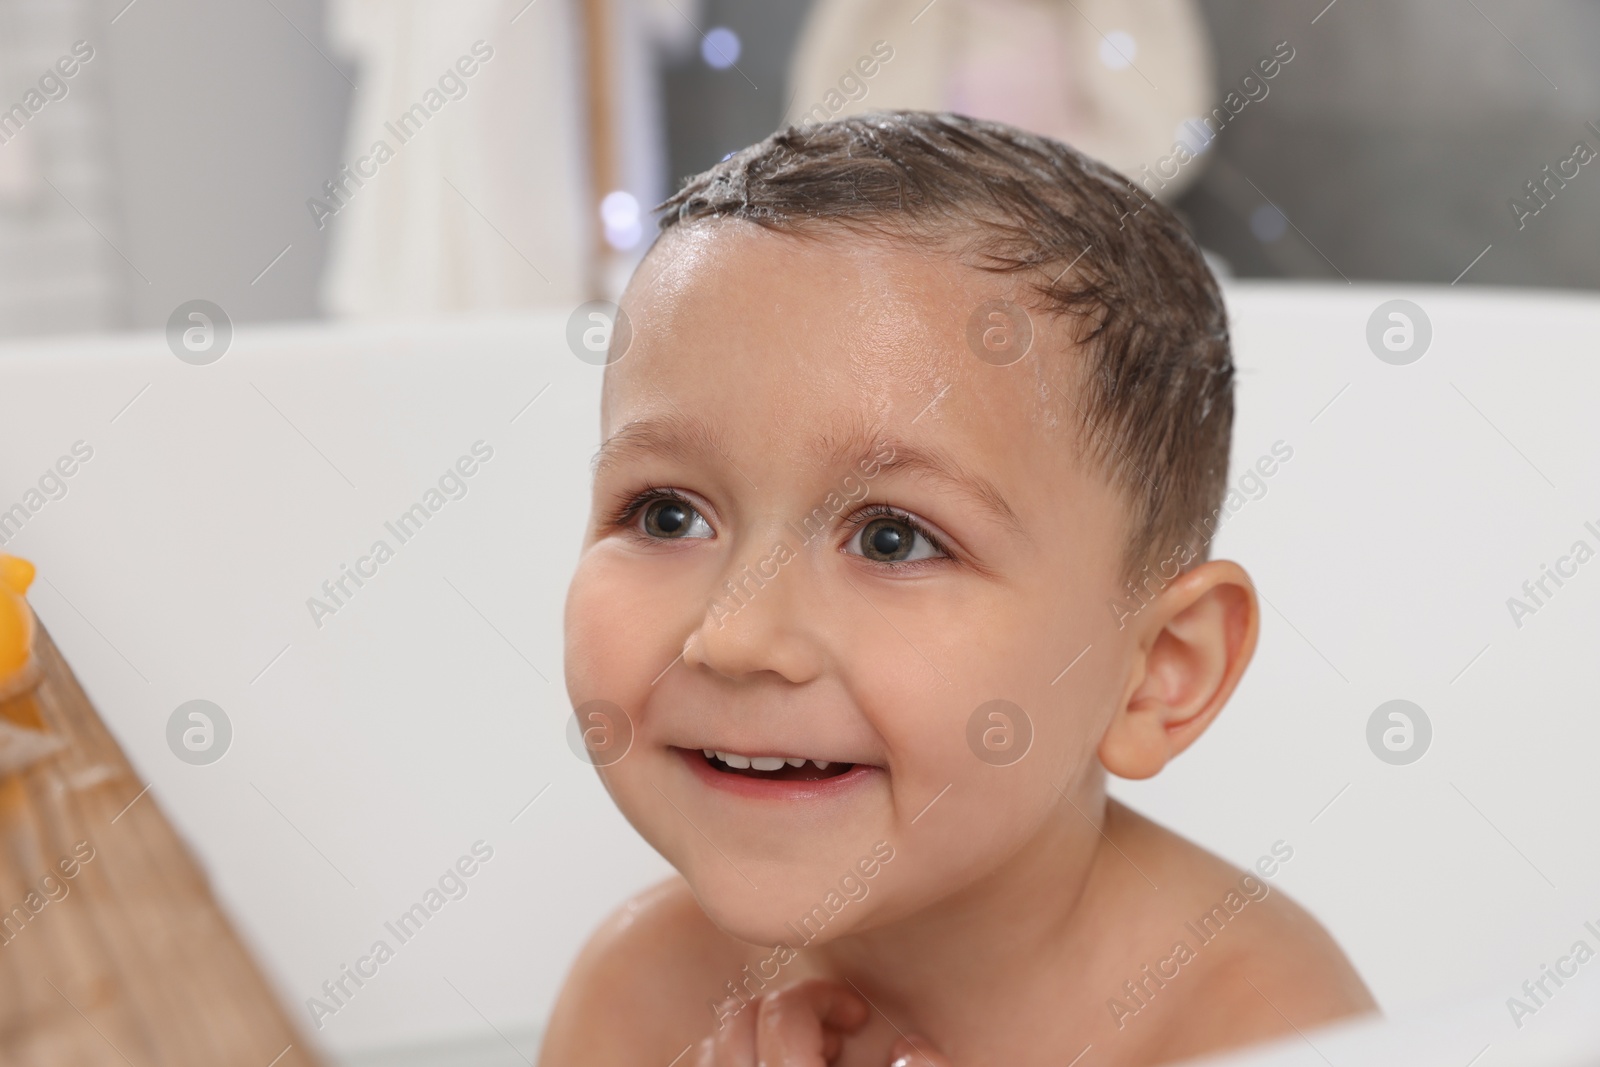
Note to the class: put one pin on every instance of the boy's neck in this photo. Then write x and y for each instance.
(1042, 926)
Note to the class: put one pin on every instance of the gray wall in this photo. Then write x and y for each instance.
(713, 112)
(175, 167)
(1397, 136)
(225, 118)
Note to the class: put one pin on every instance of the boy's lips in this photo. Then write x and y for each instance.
(783, 782)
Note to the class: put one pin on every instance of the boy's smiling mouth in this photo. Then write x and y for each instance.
(772, 776)
(775, 768)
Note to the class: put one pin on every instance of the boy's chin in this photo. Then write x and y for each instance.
(768, 930)
(779, 915)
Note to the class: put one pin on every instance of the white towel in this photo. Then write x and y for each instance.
(487, 205)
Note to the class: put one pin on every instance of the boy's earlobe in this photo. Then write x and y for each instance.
(1191, 645)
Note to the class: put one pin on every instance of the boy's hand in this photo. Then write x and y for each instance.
(802, 1026)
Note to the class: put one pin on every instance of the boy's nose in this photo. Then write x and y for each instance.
(763, 614)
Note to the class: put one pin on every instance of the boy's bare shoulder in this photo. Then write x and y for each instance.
(1262, 965)
(643, 983)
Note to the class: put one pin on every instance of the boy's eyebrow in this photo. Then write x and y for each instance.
(675, 436)
(688, 439)
(930, 461)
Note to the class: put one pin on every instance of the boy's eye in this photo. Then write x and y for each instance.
(888, 539)
(670, 518)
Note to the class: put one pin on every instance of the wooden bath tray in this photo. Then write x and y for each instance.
(129, 961)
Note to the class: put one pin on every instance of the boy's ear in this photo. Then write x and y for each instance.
(1191, 645)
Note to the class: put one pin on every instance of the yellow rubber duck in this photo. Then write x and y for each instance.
(17, 666)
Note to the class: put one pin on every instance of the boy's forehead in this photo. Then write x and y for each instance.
(730, 271)
(826, 320)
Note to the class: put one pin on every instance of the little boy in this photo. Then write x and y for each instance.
(904, 411)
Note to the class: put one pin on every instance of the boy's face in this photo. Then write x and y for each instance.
(778, 376)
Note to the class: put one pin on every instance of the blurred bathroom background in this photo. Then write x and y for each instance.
(182, 159)
(349, 164)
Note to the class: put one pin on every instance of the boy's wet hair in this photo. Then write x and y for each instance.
(1154, 396)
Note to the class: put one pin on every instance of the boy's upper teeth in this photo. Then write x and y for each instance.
(762, 763)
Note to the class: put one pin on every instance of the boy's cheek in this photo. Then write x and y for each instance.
(631, 783)
(940, 780)
(969, 832)
(618, 627)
